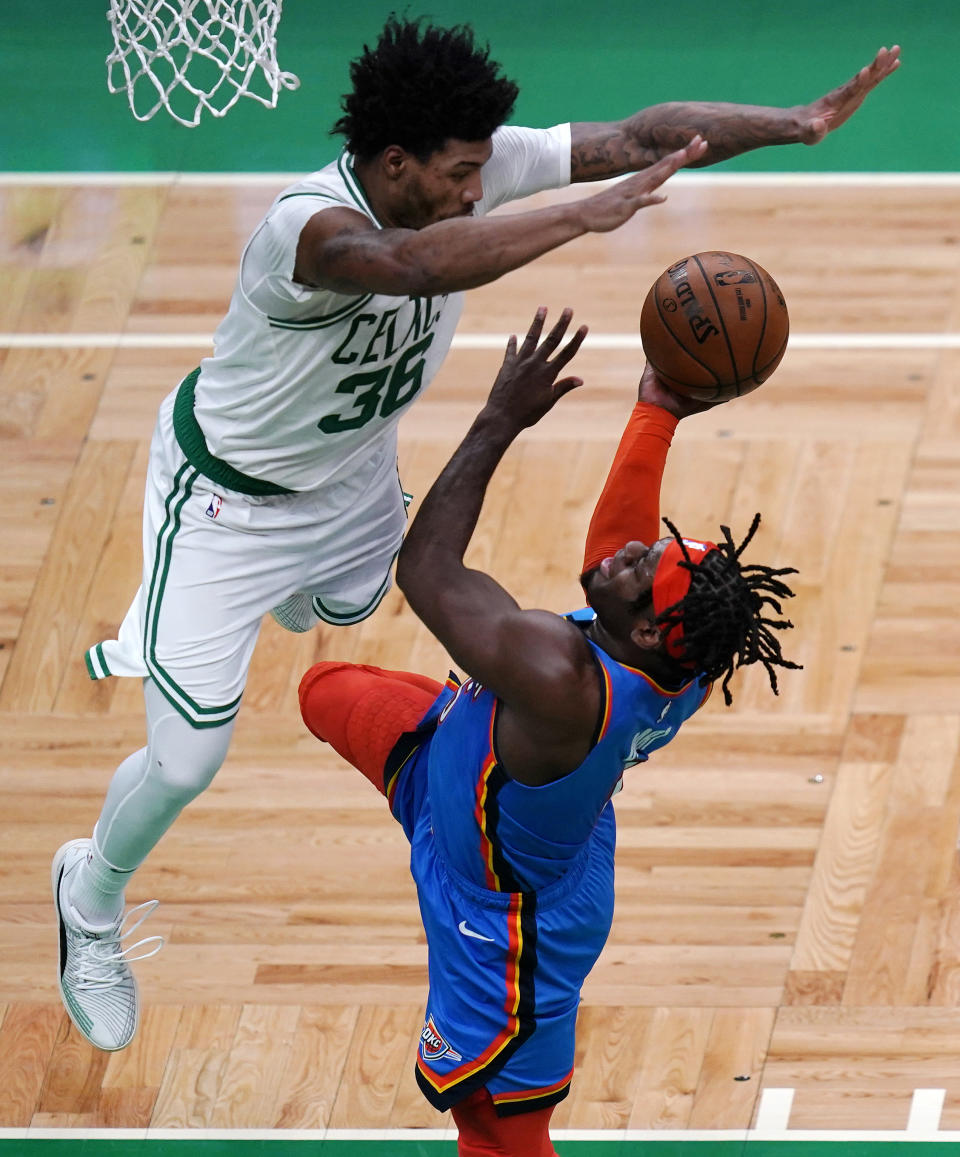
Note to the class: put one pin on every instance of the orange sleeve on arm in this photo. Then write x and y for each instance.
(629, 506)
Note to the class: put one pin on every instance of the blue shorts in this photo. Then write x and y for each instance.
(505, 968)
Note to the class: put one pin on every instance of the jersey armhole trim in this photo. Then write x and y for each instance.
(192, 442)
(323, 320)
(606, 699)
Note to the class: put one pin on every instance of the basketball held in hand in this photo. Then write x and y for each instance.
(714, 326)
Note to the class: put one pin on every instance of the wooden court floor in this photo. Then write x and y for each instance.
(788, 907)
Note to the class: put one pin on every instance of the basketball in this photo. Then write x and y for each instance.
(714, 326)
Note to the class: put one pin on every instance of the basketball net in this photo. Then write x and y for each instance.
(190, 55)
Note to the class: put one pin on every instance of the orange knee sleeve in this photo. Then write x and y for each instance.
(362, 711)
(410, 677)
(484, 1134)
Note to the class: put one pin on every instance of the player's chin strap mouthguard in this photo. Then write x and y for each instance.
(671, 582)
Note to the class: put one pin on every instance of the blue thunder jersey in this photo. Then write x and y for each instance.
(516, 883)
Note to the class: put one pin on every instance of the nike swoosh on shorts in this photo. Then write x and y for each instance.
(469, 932)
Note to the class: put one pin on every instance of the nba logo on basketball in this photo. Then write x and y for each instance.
(216, 502)
(433, 1046)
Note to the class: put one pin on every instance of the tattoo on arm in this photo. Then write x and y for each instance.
(613, 148)
(598, 151)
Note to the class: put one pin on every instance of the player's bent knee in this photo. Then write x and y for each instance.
(321, 695)
(184, 759)
(362, 712)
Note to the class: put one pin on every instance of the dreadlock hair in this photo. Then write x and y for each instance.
(722, 614)
(421, 86)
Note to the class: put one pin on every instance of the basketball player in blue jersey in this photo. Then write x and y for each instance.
(503, 782)
(272, 482)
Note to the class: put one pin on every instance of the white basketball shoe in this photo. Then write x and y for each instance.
(97, 986)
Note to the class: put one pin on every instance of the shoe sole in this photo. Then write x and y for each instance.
(56, 877)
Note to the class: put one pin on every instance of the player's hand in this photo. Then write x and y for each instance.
(526, 387)
(830, 111)
(658, 393)
(611, 208)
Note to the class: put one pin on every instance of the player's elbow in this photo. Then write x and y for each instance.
(402, 572)
(421, 577)
(411, 572)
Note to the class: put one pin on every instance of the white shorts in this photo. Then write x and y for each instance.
(215, 561)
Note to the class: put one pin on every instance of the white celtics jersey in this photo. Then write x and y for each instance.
(303, 379)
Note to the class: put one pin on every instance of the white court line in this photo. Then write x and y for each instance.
(473, 341)
(925, 1110)
(617, 1136)
(773, 1113)
(769, 179)
(798, 341)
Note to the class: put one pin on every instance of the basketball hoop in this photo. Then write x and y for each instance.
(191, 55)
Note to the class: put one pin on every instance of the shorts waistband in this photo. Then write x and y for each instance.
(191, 441)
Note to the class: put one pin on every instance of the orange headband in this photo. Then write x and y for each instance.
(671, 581)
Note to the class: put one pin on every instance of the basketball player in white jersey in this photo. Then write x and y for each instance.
(272, 483)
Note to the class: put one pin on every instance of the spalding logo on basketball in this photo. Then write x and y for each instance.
(714, 325)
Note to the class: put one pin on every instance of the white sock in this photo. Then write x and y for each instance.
(96, 891)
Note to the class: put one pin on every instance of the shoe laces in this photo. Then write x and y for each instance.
(106, 959)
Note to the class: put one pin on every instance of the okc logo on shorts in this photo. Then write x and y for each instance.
(433, 1046)
(216, 502)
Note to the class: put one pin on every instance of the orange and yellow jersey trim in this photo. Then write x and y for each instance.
(526, 1100)
(519, 962)
(484, 811)
(407, 747)
(606, 690)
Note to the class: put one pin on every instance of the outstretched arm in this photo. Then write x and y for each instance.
(612, 148)
(464, 608)
(341, 250)
(629, 505)
(537, 663)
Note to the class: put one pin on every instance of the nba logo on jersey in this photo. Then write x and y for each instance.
(216, 502)
(433, 1046)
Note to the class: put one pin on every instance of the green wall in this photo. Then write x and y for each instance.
(573, 59)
